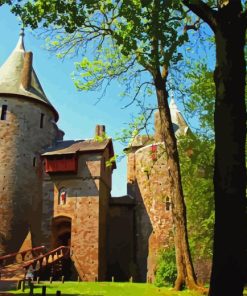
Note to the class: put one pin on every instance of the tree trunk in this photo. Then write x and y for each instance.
(229, 271)
(185, 271)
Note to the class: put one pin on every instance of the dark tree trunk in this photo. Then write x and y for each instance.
(229, 270)
(185, 271)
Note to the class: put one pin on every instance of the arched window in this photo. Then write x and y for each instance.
(62, 196)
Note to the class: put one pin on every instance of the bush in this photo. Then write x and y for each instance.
(166, 271)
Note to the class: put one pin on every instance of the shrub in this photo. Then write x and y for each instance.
(166, 271)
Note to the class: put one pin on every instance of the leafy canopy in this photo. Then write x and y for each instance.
(119, 38)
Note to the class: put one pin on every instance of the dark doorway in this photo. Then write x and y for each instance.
(61, 231)
(61, 236)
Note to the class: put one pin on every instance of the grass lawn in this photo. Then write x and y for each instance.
(105, 289)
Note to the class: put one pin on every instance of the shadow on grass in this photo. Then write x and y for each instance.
(39, 294)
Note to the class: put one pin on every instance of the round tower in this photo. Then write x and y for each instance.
(27, 127)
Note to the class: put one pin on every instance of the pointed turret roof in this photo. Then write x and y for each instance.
(11, 77)
(179, 124)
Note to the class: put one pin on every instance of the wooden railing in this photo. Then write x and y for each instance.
(48, 258)
(23, 256)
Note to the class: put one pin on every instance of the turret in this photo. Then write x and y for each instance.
(180, 126)
(27, 127)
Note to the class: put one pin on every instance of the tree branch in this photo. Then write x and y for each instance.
(204, 11)
(137, 93)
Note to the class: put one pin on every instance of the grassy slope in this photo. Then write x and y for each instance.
(106, 289)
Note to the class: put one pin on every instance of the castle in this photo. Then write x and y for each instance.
(55, 192)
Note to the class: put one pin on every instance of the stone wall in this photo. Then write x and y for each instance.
(21, 142)
(121, 238)
(148, 182)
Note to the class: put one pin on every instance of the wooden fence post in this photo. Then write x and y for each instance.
(112, 278)
(50, 279)
(18, 285)
(62, 278)
(37, 281)
(31, 289)
(44, 291)
(58, 293)
(78, 279)
(23, 285)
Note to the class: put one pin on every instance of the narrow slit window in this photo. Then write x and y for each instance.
(168, 204)
(4, 112)
(42, 120)
(62, 196)
(34, 161)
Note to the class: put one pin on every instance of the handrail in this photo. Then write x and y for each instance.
(23, 252)
(19, 257)
(40, 258)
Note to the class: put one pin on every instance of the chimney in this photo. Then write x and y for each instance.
(99, 130)
(26, 74)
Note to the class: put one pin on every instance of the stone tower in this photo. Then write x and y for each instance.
(27, 127)
(148, 183)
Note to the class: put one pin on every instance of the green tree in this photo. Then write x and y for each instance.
(197, 160)
(227, 19)
(129, 39)
(196, 155)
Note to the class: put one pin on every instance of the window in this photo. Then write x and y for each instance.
(62, 196)
(4, 112)
(168, 204)
(41, 120)
(34, 161)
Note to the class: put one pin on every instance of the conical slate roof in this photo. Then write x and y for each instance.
(11, 77)
(179, 124)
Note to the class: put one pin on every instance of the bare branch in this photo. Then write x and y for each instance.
(204, 11)
(195, 26)
(137, 93)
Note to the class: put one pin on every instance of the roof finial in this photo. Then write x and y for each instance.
(173, 104)
(20, 43)
(172, 101)
(172, 95)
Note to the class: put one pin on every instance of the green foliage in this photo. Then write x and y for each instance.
(101, 138)
(111, 161)
(134, 128)
(166, 271)
(196, 153)
(127, 38)
(201, 99)
(196, 163)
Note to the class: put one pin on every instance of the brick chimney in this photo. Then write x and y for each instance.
(99, 130)
(26, 74)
